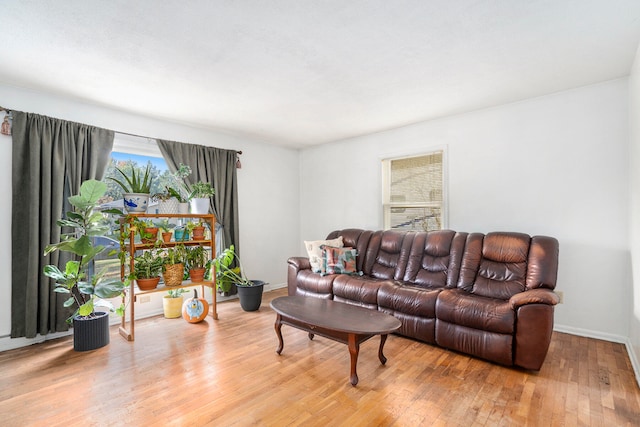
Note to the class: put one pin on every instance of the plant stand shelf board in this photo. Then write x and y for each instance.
(338, 321)
(127, 327)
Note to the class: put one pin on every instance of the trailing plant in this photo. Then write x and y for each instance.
(84, 291)
(136, 183)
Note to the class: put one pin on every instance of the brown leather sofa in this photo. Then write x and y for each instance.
(487, 295)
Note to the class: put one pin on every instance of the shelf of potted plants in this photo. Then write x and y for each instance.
(172, 252)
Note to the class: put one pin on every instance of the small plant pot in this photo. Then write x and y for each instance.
(173, 274)
(181, 235)
(198, 233)
(199, 205)
(172, 307)
(170, 206)
(136, 202)
(166, 237)
(197, 274)
(148, 283)
(151, 234)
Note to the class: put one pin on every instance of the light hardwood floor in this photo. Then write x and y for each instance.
(227, 373)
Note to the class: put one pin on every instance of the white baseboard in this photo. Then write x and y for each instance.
(633, 357)
(8, 343)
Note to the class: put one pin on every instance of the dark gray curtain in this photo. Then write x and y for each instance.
(51, 158)
(217, 167)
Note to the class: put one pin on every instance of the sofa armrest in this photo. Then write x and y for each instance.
(299, 263)
(534, 296)
(294, 265)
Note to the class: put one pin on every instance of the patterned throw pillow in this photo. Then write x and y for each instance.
(338, 260)
(314, 251)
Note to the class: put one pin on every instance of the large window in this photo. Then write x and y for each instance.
(413, 192)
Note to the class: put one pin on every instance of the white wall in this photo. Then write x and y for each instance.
(634, 217)
(555, 165)
(267, 186)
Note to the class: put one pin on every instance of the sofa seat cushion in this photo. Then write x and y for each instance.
(313, 284)
(486, 345)
(462, 308)
(407, 299)
(359, 290)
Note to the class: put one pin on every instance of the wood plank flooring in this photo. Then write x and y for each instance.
(227, 373)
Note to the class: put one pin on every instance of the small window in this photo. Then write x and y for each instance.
(413, 192)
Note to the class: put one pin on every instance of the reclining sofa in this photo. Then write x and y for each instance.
(487, 295)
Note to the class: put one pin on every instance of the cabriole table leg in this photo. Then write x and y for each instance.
(354, 348)
(278, 327)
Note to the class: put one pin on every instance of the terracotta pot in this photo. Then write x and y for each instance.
(198, 233)
(197, 274)
(147, 284)
(166, 237)
(153, 231)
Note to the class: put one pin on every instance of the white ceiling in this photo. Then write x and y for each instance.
(303, 72)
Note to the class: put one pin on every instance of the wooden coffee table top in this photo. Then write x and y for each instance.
(336, 316)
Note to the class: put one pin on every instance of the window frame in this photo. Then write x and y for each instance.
(387, 204)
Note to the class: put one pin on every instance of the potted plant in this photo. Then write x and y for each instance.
(173, 265)
(199, 197)
(136, 189)
(147, 269)
(249, 291)
(147, 230)
(172, 303)
(90, 327)
(165, 229)
(181, 233)
(196, 260)
(197, 230)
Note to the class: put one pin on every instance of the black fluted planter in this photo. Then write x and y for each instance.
(251, 296)
(90, 334)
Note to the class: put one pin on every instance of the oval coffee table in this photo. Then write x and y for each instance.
(345, 323)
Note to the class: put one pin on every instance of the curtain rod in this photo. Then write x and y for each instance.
(238, 152)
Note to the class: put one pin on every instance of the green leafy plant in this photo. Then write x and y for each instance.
(226, 275)
(176, 293)
(147, 265)
(168, 193)
(175, 255)
(165, 226)
(136, 183)
(201, 190)
(84, 292)
(198, 190)
(196, 257)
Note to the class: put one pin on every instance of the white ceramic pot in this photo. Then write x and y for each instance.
(183, 208)
(170, 206)
(200, 205)
(136, 202)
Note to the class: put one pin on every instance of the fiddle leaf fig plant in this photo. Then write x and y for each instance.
(85, 292)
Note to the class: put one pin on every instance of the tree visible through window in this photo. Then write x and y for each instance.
(413, 192)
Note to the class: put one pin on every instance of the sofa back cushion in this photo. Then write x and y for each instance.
(495, 265)
(387, 254)
(434, 259)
